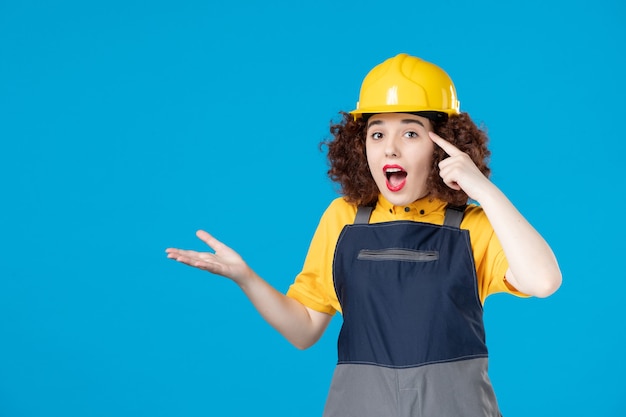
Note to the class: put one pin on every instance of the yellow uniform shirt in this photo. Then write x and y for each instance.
(314, 286)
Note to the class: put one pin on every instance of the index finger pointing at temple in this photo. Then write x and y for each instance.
(449, 148)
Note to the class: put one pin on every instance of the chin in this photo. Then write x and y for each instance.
(397, 200)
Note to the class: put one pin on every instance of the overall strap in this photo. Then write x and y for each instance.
(454, 215)
(363, 214)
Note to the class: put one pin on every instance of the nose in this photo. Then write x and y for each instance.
(391, 147)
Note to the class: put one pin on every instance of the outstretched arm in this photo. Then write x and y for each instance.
(533, 268)
(299, 324)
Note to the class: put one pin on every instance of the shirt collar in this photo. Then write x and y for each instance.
(424, 206)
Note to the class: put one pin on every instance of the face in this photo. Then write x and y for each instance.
(399, 154)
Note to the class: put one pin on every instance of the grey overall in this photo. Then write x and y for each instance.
(412, 341)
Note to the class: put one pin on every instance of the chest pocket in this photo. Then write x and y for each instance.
(397, 254)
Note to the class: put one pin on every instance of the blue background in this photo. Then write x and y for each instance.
(125, 126)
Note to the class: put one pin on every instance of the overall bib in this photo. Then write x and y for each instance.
(412, 341)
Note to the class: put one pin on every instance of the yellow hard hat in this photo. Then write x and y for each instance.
(406, 84)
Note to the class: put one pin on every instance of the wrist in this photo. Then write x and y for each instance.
(245, 278)
(488, 194)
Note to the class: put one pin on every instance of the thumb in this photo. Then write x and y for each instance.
(207, 238)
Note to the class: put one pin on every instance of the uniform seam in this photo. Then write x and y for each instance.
(419, 365)
(468, 246)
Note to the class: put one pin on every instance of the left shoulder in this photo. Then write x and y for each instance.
(475, 218)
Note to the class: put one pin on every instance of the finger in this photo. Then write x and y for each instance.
(172, 253)
(209, 240)
(451, 183)
(202, 262)
(193, 261)
(449, 178)
(448, 148)
(183, 252)
(177, 256)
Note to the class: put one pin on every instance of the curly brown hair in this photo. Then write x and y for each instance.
(349, 168)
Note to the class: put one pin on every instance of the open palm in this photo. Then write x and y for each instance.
(222, 261)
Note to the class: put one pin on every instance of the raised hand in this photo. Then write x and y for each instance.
(458, 171)
(532, 266)
(222, 261)
(301, 325)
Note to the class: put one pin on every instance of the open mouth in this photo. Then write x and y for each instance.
(396, 177)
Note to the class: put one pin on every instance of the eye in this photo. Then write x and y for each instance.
(411, 135)
(376, 135)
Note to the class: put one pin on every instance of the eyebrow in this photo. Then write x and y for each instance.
(405, 121)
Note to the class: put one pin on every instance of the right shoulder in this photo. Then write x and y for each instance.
(339, 213)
